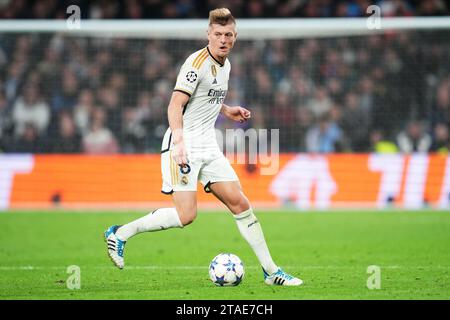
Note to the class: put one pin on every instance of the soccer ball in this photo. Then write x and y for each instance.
(226, 269)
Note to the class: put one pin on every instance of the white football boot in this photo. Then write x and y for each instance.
(281, 278)
(115, 246)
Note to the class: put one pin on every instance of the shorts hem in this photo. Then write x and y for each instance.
(208, 190)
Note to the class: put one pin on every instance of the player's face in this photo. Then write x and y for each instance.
(221, 39)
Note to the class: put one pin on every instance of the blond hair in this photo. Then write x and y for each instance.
(221, 16)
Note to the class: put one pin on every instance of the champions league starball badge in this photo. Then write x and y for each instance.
(191, 76)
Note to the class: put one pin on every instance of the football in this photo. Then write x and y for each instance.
(226, 269)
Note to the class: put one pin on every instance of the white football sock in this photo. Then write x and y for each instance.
(251, 231)
(160, 219)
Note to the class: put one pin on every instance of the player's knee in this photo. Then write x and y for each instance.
(240, 204)
(188, 216)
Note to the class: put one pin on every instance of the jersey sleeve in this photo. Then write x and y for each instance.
(188, 78)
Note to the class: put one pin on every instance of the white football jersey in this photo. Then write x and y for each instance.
(205, 80)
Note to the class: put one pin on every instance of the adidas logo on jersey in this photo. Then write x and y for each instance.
(215, 81)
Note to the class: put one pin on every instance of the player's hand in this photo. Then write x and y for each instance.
(179, 154)
(239, 114)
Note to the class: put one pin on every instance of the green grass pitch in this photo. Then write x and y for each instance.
(330, 251)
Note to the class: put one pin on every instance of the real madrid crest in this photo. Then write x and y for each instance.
(214, 71)
(184, 180)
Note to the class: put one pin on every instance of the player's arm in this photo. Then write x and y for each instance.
(236, 113)
(175, 115)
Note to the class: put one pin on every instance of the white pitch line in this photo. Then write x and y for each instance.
(150, 267)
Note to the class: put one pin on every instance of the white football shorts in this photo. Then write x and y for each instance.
(207, 171)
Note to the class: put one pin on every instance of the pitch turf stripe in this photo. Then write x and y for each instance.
(153, 267)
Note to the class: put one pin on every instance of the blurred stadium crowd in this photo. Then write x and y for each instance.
(380, 93)
(145, 9)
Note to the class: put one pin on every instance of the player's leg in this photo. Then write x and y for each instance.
(230, 193)
(220, 178)
(183, 214)
(117, 236)
(182, 187)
